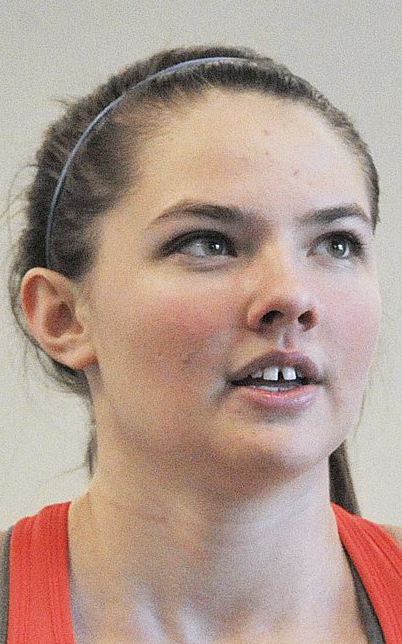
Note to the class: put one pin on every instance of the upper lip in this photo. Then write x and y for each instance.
(299, 361)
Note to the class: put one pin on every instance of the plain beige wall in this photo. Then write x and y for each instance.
(351, 49)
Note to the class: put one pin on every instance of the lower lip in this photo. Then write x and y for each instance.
(285, 402)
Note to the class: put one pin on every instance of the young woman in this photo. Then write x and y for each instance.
(198, 261)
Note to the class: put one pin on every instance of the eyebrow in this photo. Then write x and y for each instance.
(203, 210)
(328, 215)
(234, 214)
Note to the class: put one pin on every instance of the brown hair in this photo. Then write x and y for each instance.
(102, 171)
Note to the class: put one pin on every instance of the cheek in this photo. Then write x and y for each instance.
(357, 325)
(184, 328)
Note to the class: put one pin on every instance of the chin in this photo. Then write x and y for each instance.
(272, 454)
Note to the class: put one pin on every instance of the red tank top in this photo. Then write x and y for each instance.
(39, 598)
(378, 561)
(40, 612)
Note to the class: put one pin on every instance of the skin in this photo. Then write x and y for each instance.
(199, 493)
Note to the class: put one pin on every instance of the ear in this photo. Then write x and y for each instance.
(57, 317)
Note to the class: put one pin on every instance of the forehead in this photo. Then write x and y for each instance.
(224, 141)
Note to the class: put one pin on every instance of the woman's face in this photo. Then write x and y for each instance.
(245, 245)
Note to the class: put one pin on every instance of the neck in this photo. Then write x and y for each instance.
(183, 562)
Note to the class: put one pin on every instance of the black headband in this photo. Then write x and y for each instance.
(84, 136)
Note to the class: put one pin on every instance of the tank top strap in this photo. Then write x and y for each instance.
(39, 600)
(378, 562)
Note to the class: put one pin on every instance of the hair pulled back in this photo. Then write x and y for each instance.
(105, 167)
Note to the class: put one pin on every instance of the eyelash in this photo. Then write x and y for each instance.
(353, 240)
(178, 244)
(355, 243)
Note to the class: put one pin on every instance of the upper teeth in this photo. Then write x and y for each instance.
(272, 373)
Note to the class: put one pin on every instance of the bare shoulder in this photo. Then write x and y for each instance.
(395, 532)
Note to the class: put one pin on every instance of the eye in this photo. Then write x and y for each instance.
(340, 245)
(203, 244)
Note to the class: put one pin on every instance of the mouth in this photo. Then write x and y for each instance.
(279, 381)
(275, 379)
(278, 369)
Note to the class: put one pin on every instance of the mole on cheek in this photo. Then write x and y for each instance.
(266, 132)
(295, 172)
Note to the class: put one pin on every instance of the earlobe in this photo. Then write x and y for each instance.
(55, 316)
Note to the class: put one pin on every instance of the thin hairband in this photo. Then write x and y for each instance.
(84, 136)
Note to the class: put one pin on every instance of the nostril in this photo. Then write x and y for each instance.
(306, 319)
(271, 316)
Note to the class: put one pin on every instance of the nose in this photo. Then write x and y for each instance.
(283, 296)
